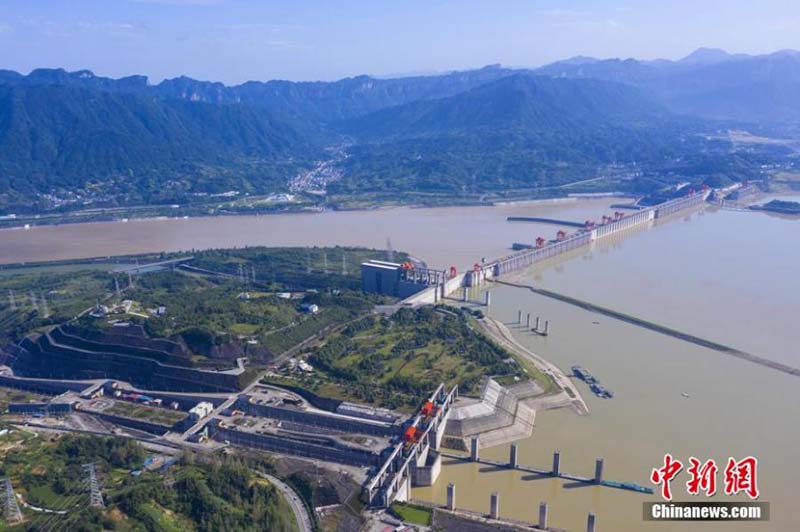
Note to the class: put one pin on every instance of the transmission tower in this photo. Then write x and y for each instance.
(116, 285)
(253, 274)
(45, 307)
(325, 261)
(344, 264)
(95, 497)
(389, 250)
(34, 304)
(10, 507)
(11, 302)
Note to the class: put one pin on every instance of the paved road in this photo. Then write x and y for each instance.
(299, 509)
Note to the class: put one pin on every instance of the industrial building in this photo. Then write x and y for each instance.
(399, 280)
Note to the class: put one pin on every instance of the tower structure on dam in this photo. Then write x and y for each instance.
(431, 286)
(591, 232)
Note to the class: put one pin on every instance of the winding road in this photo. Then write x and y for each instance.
(304, 522)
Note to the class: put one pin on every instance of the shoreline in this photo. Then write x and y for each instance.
(503, 336)
(128, 214)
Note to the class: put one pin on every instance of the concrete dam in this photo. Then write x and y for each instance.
(428, 287)
(587, 234)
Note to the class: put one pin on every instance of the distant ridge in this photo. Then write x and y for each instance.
(72, 140)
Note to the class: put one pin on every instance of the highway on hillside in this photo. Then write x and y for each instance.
(304, 522)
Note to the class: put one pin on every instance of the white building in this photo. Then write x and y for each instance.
(201, 410)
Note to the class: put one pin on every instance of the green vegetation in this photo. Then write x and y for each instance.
(220, 311)
(43, 297)
(8, 395)
(393, 362)
(781, 207)
(224, 304)
(126, 148)
(223, 494)
(81, 144)
(412, 513)
(146, 413)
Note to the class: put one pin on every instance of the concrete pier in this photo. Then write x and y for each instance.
(546, 328)
(494, 505)
(598, 471)
(474, 454)
(488, 298)
(538, 323)
(555, 472)
(464, 294)
(451, 496)
(512, 459)
(528, 321)
(543, 515)
(556, 464)
(519, 316)
(590, 521)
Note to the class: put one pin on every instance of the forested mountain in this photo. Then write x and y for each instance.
(708, 83)
(521, 131)
(62, 137)
(318, 102)
(74, 139)
(529, 105)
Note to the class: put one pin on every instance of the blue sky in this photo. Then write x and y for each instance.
(237, 40)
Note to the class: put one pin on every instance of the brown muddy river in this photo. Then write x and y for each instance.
(726, 276)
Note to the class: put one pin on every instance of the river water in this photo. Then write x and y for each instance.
(722, 275)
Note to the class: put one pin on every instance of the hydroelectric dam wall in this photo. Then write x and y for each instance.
(565, 243)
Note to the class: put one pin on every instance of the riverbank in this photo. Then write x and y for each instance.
(262, 206)
(568, 394)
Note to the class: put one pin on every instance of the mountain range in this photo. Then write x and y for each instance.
(709, 83)
(125, 141)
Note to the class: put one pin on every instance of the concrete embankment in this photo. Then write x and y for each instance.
(500, 416)
(507, 413)
(568, 394)
(655, 327)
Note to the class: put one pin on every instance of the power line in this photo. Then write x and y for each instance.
(95, 497)
(10, 506)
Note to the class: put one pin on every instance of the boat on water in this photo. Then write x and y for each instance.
(598, 389)
(583, 374)
(632, 486)
(684, 394)
(601, 391)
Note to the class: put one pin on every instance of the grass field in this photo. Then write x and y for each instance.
(147, 413)
(413, 513)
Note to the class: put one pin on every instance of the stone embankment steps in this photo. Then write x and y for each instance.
(501, 416)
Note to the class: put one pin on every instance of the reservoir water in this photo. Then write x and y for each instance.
(722, 275)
